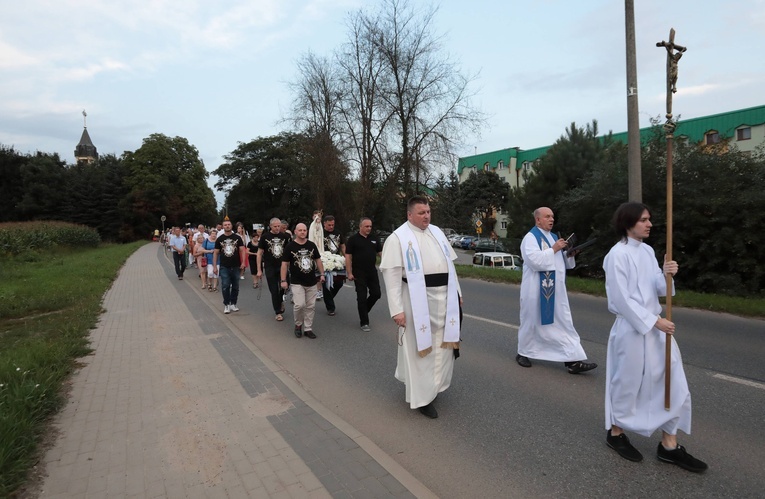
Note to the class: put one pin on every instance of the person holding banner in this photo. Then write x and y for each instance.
(636, 347)
(547, 330)
(424, 300)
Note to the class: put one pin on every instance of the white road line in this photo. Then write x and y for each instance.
(496, 323)
(740, 381)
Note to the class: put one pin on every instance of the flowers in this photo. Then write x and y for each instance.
(332, 262)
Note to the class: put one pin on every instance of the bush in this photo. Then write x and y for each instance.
(21, 237)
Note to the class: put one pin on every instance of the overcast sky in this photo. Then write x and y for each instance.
(215, 72)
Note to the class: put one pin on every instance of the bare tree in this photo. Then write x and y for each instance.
(425, 91)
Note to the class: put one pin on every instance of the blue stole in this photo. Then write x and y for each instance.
(546, 282)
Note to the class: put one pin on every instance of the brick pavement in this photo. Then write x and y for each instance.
(175, 402)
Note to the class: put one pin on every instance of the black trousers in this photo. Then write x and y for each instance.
(273, 278)
(180, 263)
(367, 293)
(329, 294)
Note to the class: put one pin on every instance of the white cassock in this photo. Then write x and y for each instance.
(424, 377)
(635, 362)
(558, 341)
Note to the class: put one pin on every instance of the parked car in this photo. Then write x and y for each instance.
(496, 259)
(485, 244)
(456, 240)
(465, 242)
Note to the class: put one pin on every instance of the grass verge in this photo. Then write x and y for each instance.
(746, 307)
(48, 304)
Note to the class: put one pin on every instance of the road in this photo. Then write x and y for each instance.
(505, 431)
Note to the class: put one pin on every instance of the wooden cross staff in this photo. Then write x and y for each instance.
(674, 53)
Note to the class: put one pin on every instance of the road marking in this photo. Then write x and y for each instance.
(496, 323)
(740, 381)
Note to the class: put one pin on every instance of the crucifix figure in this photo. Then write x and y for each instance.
(672, 59)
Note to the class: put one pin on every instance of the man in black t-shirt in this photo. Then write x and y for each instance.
(229, 253)
(302, 259)
(334, 242)
(361, 252)
(269, 260)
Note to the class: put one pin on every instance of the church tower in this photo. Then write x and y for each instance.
(85, 152)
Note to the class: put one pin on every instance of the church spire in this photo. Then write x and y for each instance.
(85, 152)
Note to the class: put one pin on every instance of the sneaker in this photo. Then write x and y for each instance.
(233, 307)
(310, 334)
(366, 328)
(681, 458)
(241, 278)
(226, 309)
(298, 331)
(621, 444)
(320, 295)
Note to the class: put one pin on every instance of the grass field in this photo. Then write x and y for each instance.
(49, 301)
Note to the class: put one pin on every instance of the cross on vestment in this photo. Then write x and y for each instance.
(452, 322)
(423, 328)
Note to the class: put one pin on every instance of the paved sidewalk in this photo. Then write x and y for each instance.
(175, 402)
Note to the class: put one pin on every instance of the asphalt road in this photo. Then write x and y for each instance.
(505, 431)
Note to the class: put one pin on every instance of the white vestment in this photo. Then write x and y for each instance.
(424, 377)
(635, 362)
(558, 341)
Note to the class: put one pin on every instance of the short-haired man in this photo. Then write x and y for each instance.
(229, 254)
(547, 330)
(179, 244)
(361, 254)
(333, 242)
(424, 299)
(269, 260)
(636, 347)
(301, 258)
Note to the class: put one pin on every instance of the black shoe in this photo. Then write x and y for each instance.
(681, 458)
(580, 367)
(331, 313)
(429, 410)
(621, 444)
(298, 331)
(523, 361)
(310, 334)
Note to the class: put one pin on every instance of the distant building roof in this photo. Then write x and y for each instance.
(694, 129)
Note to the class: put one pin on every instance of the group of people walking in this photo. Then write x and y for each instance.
(425, 303)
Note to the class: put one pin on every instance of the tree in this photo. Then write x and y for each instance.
(42, 178)
(165, 176)
(483, 194)
(446, 204)
(269, 177)
(12, 188)
(561, 169)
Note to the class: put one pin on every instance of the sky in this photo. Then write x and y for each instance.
(216, 72)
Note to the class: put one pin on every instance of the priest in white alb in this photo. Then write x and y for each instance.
(424, 299)
(547, 330)
(636, 347)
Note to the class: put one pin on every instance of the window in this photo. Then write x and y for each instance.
(486, 166)
(500, 164)
(712, 138)
(504, 225)
(744, 133)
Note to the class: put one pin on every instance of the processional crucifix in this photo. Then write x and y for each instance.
(674, 53)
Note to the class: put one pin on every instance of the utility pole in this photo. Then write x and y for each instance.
(633, 121)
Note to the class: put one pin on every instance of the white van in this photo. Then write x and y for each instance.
(495, 259)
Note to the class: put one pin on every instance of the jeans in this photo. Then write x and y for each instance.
(180, 263)
(364, 283)
(229, 283)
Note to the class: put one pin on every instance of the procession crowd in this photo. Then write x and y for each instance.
(311, 262)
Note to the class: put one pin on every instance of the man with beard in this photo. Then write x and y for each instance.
(229, 254)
